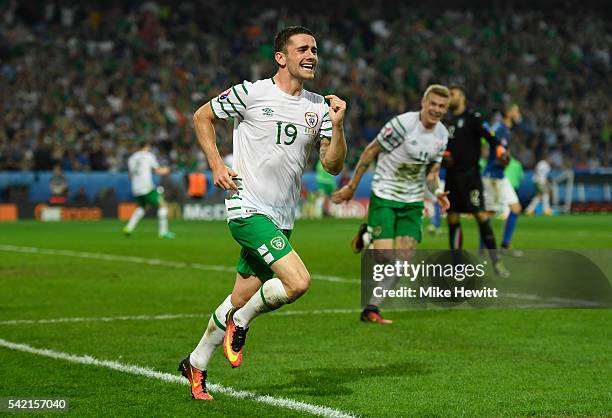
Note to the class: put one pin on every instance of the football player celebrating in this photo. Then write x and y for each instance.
(408, 150)
(276, 124)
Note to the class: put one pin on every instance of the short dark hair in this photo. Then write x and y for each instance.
(457, 86)
(282, 37)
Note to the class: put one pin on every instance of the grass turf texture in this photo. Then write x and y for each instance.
(429, 363)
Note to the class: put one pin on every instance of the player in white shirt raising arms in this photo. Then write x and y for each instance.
(141, 166)
(408, 152)
(276, 124)
(540, 178)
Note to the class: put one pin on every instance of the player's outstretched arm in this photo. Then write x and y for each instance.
(162, 170)
(433, 184)
(333, 152)
(367, 156)
(203, 121)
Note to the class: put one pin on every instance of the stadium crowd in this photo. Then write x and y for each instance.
(81, 83)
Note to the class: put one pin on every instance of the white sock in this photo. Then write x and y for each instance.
(212, 338)
(162, 215)
(270, 296)
(136, 216)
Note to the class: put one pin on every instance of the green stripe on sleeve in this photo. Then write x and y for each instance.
(234, 107)
(245, 89)
(326, 129)
(222, 108)
(386, 146)
(400, 124)
(238, 97)
(213, 109)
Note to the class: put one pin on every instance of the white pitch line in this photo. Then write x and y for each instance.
(170, 378)
(163, 317)
(199, 266)
(149, 261)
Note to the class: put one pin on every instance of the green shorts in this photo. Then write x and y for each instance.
(390, 219)
(262, 244)
(152, 198)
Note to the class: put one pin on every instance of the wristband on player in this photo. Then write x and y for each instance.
(438, 192)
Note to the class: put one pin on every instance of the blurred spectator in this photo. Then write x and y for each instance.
(118, 72)
(81, 198)
(59, 186)
(106, 196)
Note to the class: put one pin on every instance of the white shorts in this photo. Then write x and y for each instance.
(498, 193)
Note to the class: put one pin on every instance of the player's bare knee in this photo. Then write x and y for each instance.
(238, 301)
(297, 285)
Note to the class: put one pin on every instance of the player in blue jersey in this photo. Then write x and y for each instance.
(499, 193)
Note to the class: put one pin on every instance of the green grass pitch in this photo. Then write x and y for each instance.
(499, 362)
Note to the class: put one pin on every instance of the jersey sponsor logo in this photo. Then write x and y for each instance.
(266, 111)
(451, 131)
(311, 119)
(413, 142)
(225, 94)
(278, 243)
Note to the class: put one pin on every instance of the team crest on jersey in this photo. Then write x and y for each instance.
(311, 119)
(278, 243)
(266, 111)
(225, 94)
(460, 123)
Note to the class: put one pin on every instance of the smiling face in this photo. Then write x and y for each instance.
(300, 57)
(433, 108)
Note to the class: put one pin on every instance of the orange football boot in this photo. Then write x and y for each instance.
(197, 380)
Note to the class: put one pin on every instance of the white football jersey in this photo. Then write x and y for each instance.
(541, 172)
(273, 136)
(407, 150)
(140, 166)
